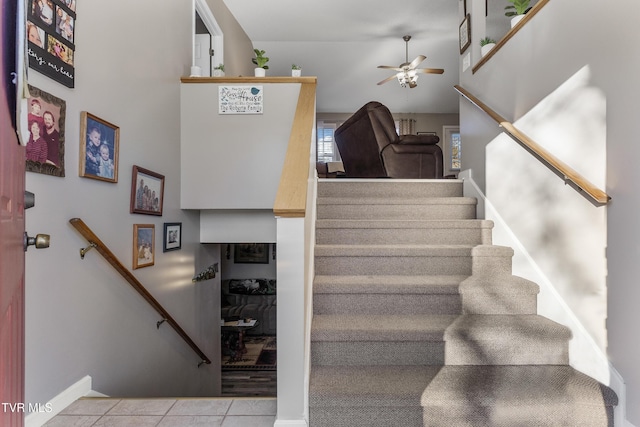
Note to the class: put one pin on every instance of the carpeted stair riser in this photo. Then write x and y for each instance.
(497, 294)
(392, 209)
(506, 340)
(367, 265)
(405, 416)
(411, 260)
(533, 415)
(387, 303)
(390, 188)
(378, 339)
(415, 294)
(506, 396)
(366, 396)
(377, 353)
(357, 232)
(392, 260)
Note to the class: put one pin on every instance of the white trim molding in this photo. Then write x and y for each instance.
(217, 38)
(584, 354)
(56, 405)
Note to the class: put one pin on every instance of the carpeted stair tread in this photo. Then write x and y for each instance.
(396, 224)
(436, 284)
(379, 327)
(514, 385)
(369, 386)
(526, 339)
(396, 201)
(497, 326)
(499, 294)
(498, 284)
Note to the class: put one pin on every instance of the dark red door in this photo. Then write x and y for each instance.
(12, 177)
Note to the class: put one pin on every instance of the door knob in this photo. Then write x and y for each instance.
(41, 241)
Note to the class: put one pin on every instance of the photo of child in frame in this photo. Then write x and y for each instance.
(99, 149)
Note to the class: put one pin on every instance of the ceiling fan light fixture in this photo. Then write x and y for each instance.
(406, 73)
(402, 79)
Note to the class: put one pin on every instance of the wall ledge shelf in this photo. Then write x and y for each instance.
(534, 10)
(250, 80)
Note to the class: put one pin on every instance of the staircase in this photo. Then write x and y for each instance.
(419, 322)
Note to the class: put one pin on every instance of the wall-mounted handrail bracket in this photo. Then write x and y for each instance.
(95, 242)
(203, 362)
(160, 322)
(570, 176)
(83, 251)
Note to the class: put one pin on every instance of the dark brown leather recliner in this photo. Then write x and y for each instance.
(371, 148)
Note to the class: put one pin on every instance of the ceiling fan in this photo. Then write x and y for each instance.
(407, 73)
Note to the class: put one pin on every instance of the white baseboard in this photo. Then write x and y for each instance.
(620, 412)
(290, 423)
(584, 354)
(56, 405)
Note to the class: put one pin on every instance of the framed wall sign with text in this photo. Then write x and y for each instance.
(51, 39)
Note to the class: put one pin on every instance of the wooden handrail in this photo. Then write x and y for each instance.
(291, 198)
(552, 161)
(129, 277)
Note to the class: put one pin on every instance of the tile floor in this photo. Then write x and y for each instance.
(161, 412)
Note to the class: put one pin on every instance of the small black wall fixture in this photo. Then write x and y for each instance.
(206, 274)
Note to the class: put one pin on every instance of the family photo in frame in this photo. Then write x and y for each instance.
(46, 120)
(147, 192)
(99, 148)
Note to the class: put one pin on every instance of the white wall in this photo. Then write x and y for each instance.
(82, 318)
(547, 53)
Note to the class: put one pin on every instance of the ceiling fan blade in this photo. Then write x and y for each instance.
(389, 67)
(417, 61)
(429, 70)
(388, 79)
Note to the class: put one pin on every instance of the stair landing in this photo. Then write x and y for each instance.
(164, 412)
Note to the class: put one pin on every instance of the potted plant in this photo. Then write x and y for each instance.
(516, 10)
(486, 44)
(261, 61)
(218, 71)
(296, 70)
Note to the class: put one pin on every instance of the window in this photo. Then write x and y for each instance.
(452, 148)
(327, 151)
(455, 150)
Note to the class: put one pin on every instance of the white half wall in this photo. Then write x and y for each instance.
(233, 161)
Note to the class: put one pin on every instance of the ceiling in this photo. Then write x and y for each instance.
(343, 41)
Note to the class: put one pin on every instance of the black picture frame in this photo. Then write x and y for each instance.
(172, 240)
(251, 253)
(465, 33)
(49, 108)
(51, 39)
